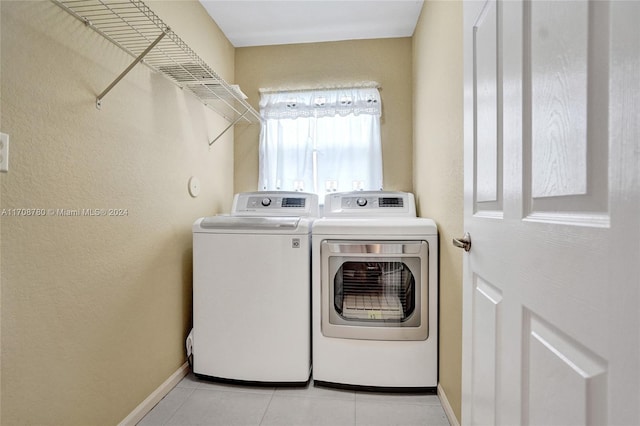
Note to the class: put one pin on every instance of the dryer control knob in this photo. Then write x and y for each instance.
(266, 202)
(361, 202)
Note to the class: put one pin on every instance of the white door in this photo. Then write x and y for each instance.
(551, 299)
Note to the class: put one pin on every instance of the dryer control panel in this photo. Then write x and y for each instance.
(370, 204)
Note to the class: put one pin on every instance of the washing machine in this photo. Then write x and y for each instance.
(251, 290)
(375, 293)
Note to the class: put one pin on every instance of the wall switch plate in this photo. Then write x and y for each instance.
(4, 152)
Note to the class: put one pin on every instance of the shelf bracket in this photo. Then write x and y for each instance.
(229, 126)
(129, 68)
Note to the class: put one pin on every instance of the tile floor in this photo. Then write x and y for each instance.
(198, 402)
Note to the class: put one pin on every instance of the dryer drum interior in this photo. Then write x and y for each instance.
(374, 291)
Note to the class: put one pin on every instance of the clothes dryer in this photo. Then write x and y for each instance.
(375, 293)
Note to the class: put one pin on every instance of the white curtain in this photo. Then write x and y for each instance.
(321, 141)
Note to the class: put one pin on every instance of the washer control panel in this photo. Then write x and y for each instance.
(275, 203)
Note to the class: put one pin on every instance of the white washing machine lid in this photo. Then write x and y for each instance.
(256, 225)
(372, 228)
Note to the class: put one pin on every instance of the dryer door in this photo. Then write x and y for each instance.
(375, 290)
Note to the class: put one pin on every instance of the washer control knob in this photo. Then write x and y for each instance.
(266, 202)
(361, 202)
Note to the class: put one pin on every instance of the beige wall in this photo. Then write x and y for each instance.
(95, 310)
(1, 178)
(437, 127)
(387, 61)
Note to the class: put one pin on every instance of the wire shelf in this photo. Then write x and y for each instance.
(136, 29)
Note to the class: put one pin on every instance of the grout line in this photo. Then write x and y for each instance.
(355, 408)
(267, 408)
(192, 390)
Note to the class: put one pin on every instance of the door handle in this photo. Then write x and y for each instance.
(464, 242)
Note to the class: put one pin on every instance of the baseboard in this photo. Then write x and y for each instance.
(453, 420)
(145, 406)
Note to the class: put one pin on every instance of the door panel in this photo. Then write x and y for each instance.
(554, 359)
(486, 89)
(559, 39)
(551, 326)
(486, 324)
(565, 76)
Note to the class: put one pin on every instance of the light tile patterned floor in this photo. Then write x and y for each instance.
(199, 402)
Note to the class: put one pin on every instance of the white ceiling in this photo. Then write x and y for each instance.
(268, 22)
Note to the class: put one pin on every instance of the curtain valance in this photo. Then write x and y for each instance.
(321, 103)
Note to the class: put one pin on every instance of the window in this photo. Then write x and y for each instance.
(321, 141)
